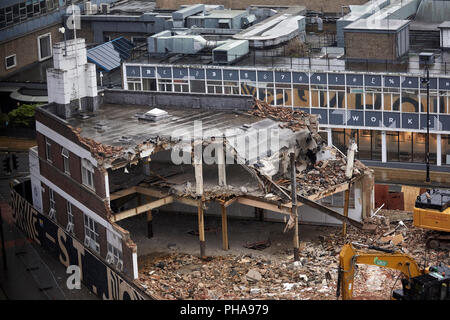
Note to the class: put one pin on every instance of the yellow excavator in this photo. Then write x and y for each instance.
(417, 284)
(432, 212)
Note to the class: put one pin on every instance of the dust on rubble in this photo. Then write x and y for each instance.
(175, 275)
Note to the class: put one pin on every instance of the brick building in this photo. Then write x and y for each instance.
(67, 182)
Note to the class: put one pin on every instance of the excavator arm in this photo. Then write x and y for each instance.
(383, 258)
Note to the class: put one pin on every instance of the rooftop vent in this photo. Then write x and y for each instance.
(154, 115)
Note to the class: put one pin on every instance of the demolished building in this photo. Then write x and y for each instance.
(116, 154)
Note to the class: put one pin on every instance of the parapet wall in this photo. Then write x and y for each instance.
(180, 100)
(325, 6)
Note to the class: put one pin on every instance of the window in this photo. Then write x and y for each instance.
(91, 233)
(48, 150)
(10, 62)
(52, 211)
(65, 155)
(87, 173)
(70, 223)
(114, 255)
(45, 46)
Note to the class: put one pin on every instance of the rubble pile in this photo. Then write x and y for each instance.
(97, 149)
(326, 174)
(295, 120)
(277, 276)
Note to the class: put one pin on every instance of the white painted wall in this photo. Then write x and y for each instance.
(36, 187)
(72, 77)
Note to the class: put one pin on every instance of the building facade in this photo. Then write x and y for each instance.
(386, 112)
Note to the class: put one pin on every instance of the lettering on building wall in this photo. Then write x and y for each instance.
(94, 273)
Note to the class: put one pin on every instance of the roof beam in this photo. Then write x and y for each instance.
(141, 209)
(122, 193)
(253, 202)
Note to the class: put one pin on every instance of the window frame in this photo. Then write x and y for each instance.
(49, 35)
(87, 170)
(52, 204)
(70, 217)
(6, 61)
(66, 161)
(48, 150)
(91, 233)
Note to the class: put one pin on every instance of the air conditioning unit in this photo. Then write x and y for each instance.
(105, 8)
(69, 227)
(119, 265)
(87, 242)
(88, 8)
(52, 214)
(109, 258)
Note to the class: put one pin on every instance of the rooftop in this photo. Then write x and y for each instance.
(369, 25)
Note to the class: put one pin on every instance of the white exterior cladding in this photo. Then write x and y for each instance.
(445, 38)
(72, 76)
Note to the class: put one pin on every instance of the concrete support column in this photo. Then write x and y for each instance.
(198, 167)
(383, 147)
(438, 150)
(221, 164)
(329, 137)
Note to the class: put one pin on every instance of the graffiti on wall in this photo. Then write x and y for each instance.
(96, 275)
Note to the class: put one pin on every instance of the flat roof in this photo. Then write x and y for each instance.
(373, 25)
(218, 14)
(117, 122)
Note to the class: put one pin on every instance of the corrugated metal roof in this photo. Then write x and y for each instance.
(110, 55)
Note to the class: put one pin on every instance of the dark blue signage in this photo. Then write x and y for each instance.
(165, 72)
(197, 74)
(373, 119)
(180, 73)
(283, 77)
(372, 80)
(265, 76)
(392, 81)
(213, 74)
(247, 75)
(319, 78)
(148, 72)
(231, 75)
(391, 120)
(354, 80)
(133, 71)
(355, 118)
(300, 77)
(410, 120)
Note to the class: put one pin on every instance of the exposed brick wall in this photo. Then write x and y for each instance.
(102, 240)
(127, 252)
(25, 48)
(376, 46)
(61, 210)
(326, 6)
(77, 191)
(78, 221)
